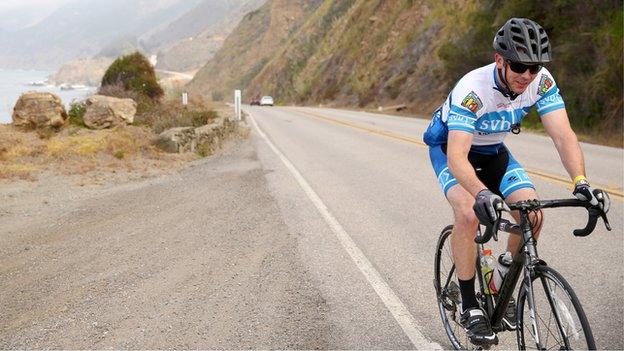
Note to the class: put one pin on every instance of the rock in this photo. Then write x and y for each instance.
(35, 110)
(208, 137)
(204, 140)
(180, 139)
(106, 111)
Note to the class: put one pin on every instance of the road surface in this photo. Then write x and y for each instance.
(316, 233)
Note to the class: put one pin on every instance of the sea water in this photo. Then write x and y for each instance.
(15, 82)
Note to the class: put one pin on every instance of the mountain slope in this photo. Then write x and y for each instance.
(371, 53)
(193, 39)
(248, 48)
(83, 28)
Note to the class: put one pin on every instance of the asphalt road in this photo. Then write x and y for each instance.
(318, 232)
(373, 176)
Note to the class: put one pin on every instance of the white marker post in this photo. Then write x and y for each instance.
(237, 104)
(185, 98)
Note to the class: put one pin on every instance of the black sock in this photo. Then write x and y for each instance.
(467, 289)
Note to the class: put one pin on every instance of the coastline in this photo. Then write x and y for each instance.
(14, 82)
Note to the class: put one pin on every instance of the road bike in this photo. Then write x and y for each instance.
(548, 312)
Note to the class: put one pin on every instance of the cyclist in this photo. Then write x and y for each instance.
(474, 167)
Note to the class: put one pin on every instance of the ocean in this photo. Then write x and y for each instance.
(15, 82)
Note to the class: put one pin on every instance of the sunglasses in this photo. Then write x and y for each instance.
(521, 67)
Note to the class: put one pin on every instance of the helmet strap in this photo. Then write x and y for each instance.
(506, 91)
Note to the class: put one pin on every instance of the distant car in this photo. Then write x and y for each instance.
(254, 101)
(266, 101)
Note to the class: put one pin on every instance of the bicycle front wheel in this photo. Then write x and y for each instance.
(447, 291)
(556, 320)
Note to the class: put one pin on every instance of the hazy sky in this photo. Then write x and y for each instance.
(17, 14)
(16, 4)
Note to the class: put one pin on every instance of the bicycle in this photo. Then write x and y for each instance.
(566, 325)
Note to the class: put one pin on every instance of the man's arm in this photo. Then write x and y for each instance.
(457, 152)
(558, 128)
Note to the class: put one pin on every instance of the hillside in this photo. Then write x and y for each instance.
(184, 33)
(193, 39)
(250, 46)
(81, 29)
(378, 53)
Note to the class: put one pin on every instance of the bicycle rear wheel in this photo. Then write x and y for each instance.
(447, 291)
(559, 317)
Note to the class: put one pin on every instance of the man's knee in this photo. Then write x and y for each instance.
(536, 219)
(465, 217)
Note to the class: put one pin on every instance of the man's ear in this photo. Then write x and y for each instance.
(500, 61)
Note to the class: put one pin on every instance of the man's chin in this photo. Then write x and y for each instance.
(520, 89)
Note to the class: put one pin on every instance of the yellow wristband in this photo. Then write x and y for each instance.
(579, 178)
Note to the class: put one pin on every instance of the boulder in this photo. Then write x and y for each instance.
(107, 112)
(180, 139)
(35, 110)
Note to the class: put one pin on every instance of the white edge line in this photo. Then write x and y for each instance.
(389, 298)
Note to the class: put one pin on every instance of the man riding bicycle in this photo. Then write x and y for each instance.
(474, 167)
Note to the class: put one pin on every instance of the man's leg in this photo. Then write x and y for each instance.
(465, 226)
(514, 241)
(464, 230)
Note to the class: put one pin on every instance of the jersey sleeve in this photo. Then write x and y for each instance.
(465, 108)
(549, 97)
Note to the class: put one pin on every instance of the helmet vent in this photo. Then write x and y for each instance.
(523, 40)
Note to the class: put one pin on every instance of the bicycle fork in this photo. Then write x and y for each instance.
(530, 298)
(530, 253)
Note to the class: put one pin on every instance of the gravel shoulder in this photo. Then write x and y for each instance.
(199, 258)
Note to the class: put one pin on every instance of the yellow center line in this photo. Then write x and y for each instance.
(539, 174)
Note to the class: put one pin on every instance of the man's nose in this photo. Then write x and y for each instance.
(527, 74)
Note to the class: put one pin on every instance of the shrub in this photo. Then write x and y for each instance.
(217, 96)
(76, 113)
(171, 114)
(132, 73)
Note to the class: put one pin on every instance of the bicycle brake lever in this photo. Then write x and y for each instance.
(605, 220)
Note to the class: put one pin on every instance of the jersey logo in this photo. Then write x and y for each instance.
(472, 102)
(544, 84)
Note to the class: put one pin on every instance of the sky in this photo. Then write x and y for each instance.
(24, 4)
(17, 14)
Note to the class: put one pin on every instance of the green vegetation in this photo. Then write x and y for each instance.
(135, 74)
(76, 113)
(373, 53)
(587, 56)
(171, 114)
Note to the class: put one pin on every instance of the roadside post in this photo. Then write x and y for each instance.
(185, 98)
(237, 104)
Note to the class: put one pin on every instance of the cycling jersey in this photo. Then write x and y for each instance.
(477, 105)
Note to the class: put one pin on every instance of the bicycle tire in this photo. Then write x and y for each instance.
(447, 291)
(568, 317)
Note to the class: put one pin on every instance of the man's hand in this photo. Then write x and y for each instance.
(596, 197)
(487, 206)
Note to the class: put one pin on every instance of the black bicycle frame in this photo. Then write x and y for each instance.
(510, 280)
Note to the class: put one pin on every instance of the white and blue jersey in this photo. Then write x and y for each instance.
(476, 105)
